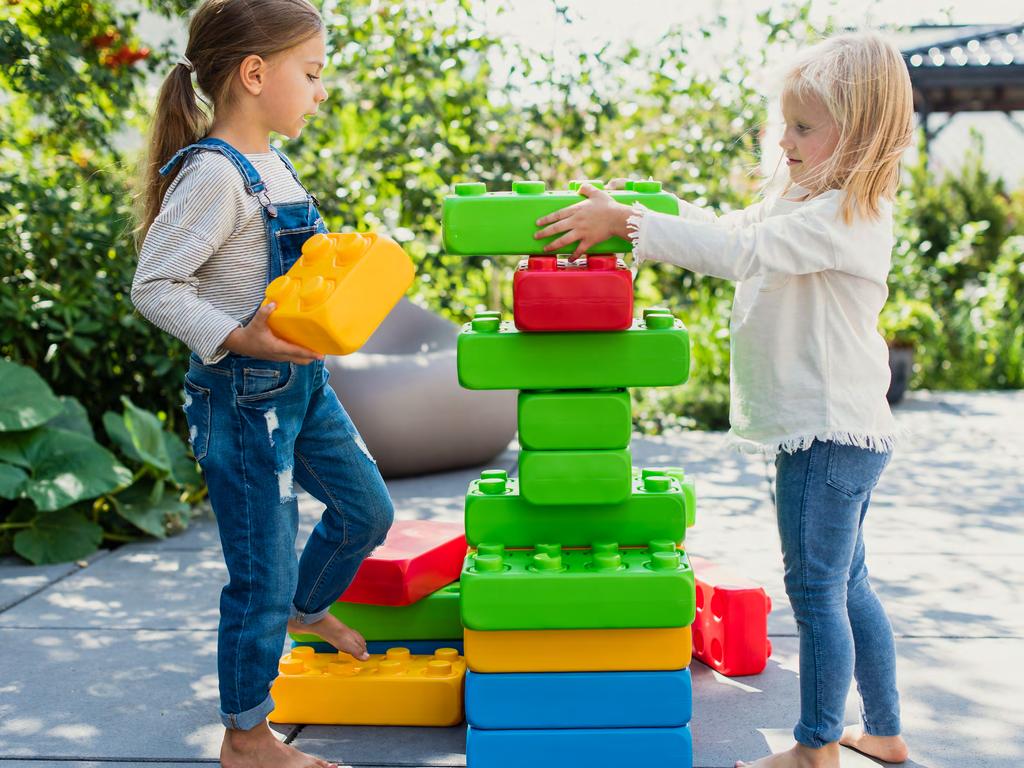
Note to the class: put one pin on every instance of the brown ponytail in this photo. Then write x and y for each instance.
(221, 34)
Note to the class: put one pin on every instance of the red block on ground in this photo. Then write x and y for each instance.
(417, 558)
(592, 294)
(730, 632)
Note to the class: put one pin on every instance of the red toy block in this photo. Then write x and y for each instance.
(417, 558)
(592, 294)
(730, 632)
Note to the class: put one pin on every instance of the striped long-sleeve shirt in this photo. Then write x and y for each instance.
(203, 265)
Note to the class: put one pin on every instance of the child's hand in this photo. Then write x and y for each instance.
(257, 340)
(590, 222)
(619, 183)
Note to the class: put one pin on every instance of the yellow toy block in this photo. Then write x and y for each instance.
(339, 291)
(395, 688)
(578, 650)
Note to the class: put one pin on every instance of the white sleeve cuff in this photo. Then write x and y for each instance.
(634, 228)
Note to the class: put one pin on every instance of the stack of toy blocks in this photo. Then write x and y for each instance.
(404, 599)
(577, 597)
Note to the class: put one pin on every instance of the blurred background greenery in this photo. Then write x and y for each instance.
(422, 96)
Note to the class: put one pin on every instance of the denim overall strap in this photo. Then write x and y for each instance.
(295, 175)
(254, 185)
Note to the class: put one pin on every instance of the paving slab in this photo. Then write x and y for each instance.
(19, 580)
(383, 746)
(135, 587)
(105, 695)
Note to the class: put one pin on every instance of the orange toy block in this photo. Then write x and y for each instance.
(339, 291)
(730, 631)
(396, 688)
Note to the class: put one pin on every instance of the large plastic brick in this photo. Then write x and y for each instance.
(687, 485)
(590, 747)
(552, 294)
(417, 558)
(416, 647)
(496, 511)
(579, 699)
(575, 477)
(596, 420)
(394, 689)
(494, 355)
(578, 650)
(605, 587)
(339, 291)
(435, 617)
(476, 222)
(730, 630)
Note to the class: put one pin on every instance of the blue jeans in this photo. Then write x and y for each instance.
(256, 428)
(822, 496)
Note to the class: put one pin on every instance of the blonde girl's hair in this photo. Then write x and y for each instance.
(863, 82)
(221, 34)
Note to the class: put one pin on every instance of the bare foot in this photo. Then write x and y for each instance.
(260, 748)
(890, 749)
(342, 637)
(799, 756)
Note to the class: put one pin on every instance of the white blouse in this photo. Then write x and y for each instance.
(807, 359)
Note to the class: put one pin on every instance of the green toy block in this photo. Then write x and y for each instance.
(689, 489)
(598, 420)
(652, 353)
(476, 222)
(496, 511)
(435, 617)
(603, 587)
(575, 477)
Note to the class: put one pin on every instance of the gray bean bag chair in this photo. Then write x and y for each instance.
(402, 391)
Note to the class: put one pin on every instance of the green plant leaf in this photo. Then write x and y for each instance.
(56, 537)
(63, 467)
(147, 434)
(147, 507)
(72, 417)
(118, 433)
(12, 479)
(184, 470)
(26, 401)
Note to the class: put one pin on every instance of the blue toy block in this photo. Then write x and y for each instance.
(592, 747)
(557, 700)
(416, 647)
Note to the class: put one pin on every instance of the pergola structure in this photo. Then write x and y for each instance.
(978, 72)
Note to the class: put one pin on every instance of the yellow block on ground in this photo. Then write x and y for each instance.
(395, 688)
(339, 291)
(578, 650)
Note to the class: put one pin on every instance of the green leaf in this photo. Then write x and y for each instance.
(73, 417)
(63, 467)
(147, 435)
(147, 507)
(184, 470)
(12, 479)
(26, 401)
(56, 537)
(116, 430)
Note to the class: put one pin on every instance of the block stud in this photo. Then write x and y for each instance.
(545, 562)
(446, 654)
(492, 486)
(553, 550)
(397, 654)
(390, 667)
(317, 248)
(656, 311)
(657, 483)
(281, 288)
(470, 188)
(342, 669)
(438, 668)
(661, 545)
(348, 246)
(494, 474)
(292, 667)
(486, 324)
(607, 561)
(577, 183)
(647, 187)
(659, 322)
(602, 262)
(664, 561)
(542, 264)
(315, 291)
(488, 563)
(303, 653)
(528, 187)
(630, 184)
(605, 546)
(488, 313)
(490, 548)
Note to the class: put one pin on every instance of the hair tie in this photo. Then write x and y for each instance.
(183, 60)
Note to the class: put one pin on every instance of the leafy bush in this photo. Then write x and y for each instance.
(62, 493)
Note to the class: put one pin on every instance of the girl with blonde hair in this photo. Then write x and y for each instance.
(809, 369)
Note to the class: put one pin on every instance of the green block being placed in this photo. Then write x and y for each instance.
(494, 355)
(600, 588)
(679, 474)
(575, 477)
(435, 617)
(598, 420)
(476, 222)
(496, 511)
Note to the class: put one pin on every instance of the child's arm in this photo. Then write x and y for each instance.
(797, 243)
(692, 212)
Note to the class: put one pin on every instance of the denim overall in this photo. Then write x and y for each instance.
(257, 427)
